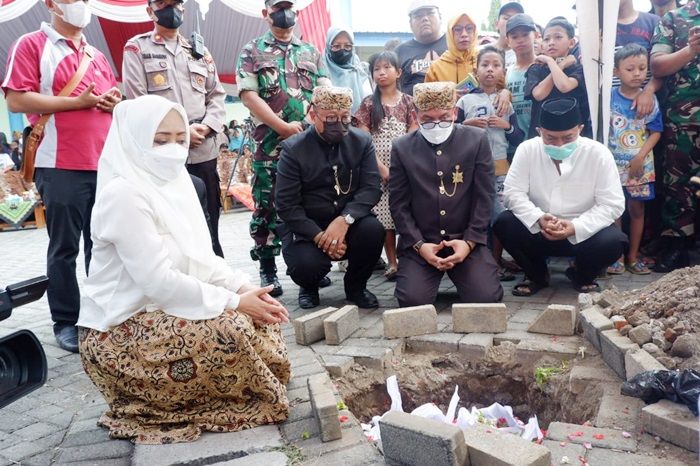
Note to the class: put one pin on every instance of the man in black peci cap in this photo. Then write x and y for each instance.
(563, 196)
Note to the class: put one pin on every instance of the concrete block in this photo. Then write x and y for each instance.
(561, 449)
(475, 345)
(489, 447)
(414, 441)
(268, 458)
(555, 320)
(372, 357)
(593, 322)
(638, 361)
(613, 439)
(479, 318)
(672, 422)
(618, 411)
(614, 346)
(621, 458)
(341, 324)
(410, 321)
(337, 366)
(529, 352)
(582, 378)
(438, 342)
(309, 328)
(324, 406)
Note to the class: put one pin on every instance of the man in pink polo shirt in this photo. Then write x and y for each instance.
(39, 66)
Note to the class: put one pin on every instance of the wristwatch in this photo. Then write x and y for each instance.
(349, 219)
(418, 245)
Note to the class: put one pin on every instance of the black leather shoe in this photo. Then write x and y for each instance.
(363, 299)
(308, 298)
(67, 337)
(267, 279)
(672, 259)
(325, 282)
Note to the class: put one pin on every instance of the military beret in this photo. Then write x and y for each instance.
(332, 98)
(434, 96)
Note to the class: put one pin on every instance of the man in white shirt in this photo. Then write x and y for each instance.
(563, 196)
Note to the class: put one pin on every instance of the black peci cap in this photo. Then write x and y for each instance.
(560, 114)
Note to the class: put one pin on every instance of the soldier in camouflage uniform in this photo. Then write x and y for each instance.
(276, 75)
(675, 50)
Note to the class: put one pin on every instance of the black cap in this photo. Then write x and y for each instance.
(560, 114)
(511, 6)
(521, 20)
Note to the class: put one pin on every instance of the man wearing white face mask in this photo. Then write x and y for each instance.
(64, 84)
(563, 195)
(441, 190)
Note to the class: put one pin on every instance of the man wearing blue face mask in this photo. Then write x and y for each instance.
(563, 195)
(441, 191)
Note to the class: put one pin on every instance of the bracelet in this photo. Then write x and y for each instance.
(471, 248)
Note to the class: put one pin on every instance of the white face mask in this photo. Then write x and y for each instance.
(76, 14)
(437, 135)
(165, 162)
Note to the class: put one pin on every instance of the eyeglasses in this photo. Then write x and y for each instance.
(461, 29)
(432, 124)
(339, 47)
(345, 119)
(424, 13)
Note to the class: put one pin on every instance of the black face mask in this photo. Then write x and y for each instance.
(335, 132)
(341, 57)
(284, 19)
(169, 17)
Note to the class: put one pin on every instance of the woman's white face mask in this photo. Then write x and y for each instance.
(166, 162)
(76, 14)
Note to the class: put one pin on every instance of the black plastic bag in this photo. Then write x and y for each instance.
(679, 387)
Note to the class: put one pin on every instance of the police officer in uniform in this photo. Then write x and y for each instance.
(327, 185)
(164, 63)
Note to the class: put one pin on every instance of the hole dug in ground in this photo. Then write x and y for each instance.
(431, 377)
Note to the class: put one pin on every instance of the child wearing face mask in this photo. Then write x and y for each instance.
(477, 109)
(556, 73)
(386, 115)
(344, 66)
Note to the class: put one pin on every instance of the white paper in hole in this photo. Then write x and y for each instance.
(392, 386)
(452, 408)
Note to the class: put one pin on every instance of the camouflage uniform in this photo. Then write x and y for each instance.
(284, 77)
(682, 122)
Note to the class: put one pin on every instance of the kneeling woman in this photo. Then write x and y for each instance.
(175, 340)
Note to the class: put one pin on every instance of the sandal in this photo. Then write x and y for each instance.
(638, 268)
(390, 273)
(618, 268)
(527, 287)
(505, 275)
(591, 287)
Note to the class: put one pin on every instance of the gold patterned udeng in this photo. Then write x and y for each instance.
(332, 98)
(434, 96)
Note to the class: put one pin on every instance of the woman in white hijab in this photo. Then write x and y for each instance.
(175, 340)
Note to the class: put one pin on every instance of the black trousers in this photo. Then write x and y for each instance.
(307, 264)
(206, 171)
(476, 279)
(68, 196)
(530, 250)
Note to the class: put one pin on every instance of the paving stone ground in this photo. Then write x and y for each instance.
(56, 424)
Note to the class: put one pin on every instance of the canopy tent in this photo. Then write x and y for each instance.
(227, 25)
(597, 25)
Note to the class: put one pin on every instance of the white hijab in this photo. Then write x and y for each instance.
(175, 203)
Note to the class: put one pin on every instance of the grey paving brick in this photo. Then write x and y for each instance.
(99, 451)
(86, 437)
(26, 449)
(35, 431)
